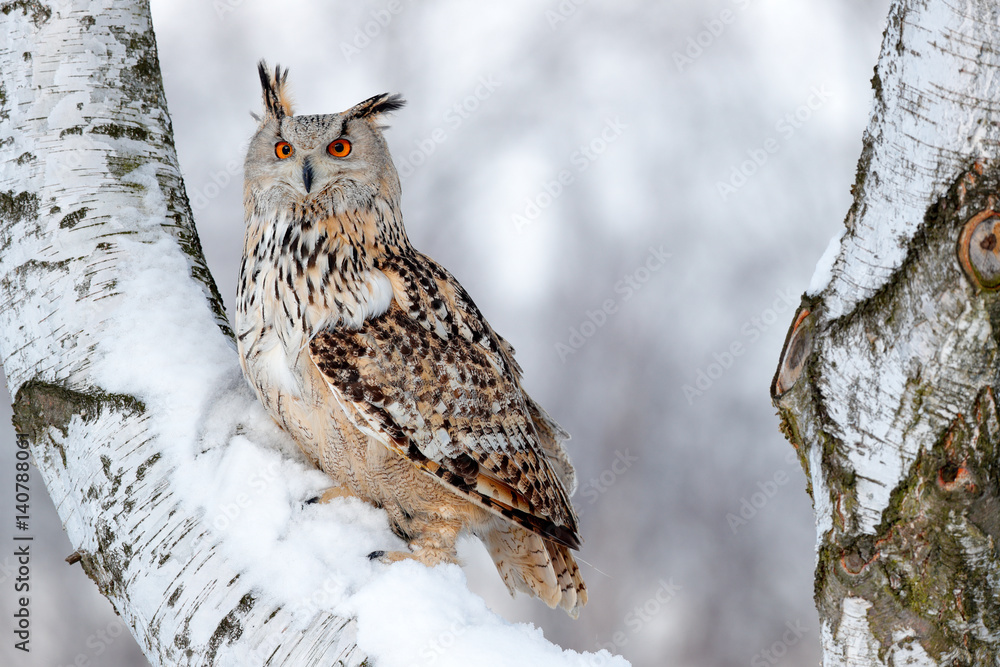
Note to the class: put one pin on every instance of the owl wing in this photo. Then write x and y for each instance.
(432, 381)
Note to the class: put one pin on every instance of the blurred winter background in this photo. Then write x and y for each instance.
(564, 160)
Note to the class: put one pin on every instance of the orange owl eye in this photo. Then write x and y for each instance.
(339, 148)
(283, 149)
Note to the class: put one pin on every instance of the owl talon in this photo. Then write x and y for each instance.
(389, 557)
(330, 494)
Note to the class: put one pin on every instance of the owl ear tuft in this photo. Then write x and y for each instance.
(375, 106)
(277, 102)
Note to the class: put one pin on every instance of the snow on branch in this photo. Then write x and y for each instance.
(184, 501)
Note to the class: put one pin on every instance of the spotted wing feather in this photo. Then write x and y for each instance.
(431, 380)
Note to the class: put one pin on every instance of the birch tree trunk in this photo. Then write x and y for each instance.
(887, 382)
(97, 244)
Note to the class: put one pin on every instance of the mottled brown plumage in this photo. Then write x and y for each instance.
(378, 363)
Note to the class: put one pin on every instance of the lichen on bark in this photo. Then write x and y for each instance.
(920, 569)
(39, 12)
(40, 405)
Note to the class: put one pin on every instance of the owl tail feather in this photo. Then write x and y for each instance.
(541, 568)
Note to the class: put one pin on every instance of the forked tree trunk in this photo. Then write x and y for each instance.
(94, 228)
(887, 384)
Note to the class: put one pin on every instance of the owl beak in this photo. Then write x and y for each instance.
(307, 174)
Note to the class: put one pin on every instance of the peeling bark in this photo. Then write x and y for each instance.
(88, 173)
(887, 381)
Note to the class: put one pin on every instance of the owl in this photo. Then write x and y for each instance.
(379, 365)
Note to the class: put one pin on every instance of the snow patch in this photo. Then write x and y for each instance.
(823, 273)
(435, 621)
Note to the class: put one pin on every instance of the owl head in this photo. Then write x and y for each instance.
(338, 159)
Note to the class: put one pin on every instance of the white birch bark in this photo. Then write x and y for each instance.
(91, 205)
(886, 384)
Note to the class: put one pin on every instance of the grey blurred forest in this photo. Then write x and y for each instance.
(632, 192)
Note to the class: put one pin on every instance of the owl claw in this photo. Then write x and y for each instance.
(330, 494)
(429, 557)
(389, 557)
